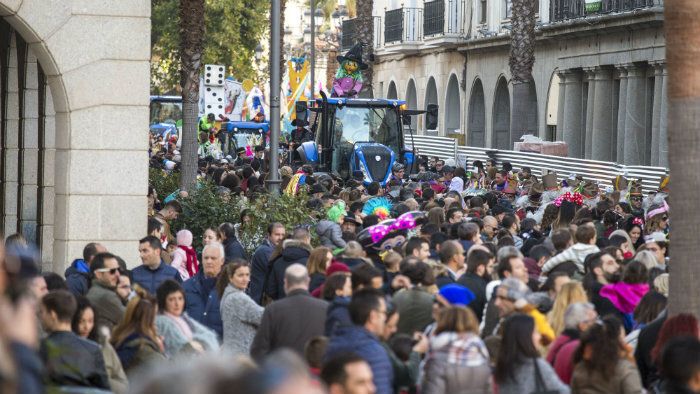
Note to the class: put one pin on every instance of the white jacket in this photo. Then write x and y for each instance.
(576, 253)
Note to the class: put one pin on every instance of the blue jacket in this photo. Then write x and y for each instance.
(259, 270)
(356, 339)
(150, 279)
(337, 315)
(78, 277)
(234, 250)
(203, 305)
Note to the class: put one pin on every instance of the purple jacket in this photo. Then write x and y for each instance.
(342, 86)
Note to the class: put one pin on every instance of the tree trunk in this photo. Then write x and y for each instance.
(682, 56)
(522, 58)
(365, 35)
(191, 47)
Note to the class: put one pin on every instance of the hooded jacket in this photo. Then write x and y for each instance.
(293, 252)
(576, 253)
(356, 339)
(337, 315)
(457, 363)
(330, 234)
(259, 269)
(78, 277)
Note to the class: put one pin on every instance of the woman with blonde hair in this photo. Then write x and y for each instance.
(570, 293)
(135, 338)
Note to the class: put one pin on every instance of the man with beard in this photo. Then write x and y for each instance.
(477, 277)
(601, 269)
(500, 182)
(636, 198)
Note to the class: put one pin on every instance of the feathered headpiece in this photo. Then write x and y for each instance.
(379, 206)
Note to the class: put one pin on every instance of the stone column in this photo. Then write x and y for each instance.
(590, 107)
(663, 120)
(635, 122)
(572, 132)
(10, 168)
(602, 137)
(656, 114)
(560, 107)
(621, 114)
(29, 150)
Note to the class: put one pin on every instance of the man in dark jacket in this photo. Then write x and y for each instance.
(78, 274)
(294, 251)
(69, 359)
(259, 268)
(293, 320)
(368, 313)
(201, 299)
(475, 278)
(232, 247)
(452, 259)
(153, 271)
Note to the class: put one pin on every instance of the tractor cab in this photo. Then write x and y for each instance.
(357, 138)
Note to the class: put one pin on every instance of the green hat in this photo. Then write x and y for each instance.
(337, 211)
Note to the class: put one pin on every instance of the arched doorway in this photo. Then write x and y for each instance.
(391, 93)
(532, 120)
(431, 94)
(412, 103)
(452, 111)
(501, 116)
(63, 184)
(477, 116)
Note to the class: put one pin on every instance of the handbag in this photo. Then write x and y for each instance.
(540, 387)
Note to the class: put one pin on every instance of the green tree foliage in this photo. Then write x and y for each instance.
(233, 29)
(164, 182)
(205, 207)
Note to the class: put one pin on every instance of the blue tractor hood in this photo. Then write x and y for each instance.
(373, 161)
(233, 127)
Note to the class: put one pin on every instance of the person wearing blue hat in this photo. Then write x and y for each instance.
(455, 295)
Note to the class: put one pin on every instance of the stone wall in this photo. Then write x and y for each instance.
(75, 150)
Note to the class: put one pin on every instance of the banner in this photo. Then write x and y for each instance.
(593, 5)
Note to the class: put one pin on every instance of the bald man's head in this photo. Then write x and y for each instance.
(296, 277)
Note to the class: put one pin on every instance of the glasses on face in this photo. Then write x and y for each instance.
(111, 271)
(636, 198)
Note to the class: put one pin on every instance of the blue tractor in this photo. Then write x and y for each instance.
(359, 138)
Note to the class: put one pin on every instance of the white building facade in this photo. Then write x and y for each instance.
(599, 75)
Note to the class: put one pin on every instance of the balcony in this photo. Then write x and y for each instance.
(574, 9)
(444, 18)
(349, 37)
(403, 27)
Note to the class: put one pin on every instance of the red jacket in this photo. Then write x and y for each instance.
(561, 356)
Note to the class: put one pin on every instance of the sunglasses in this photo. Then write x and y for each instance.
(665, 218)
(637, 198)
(111, 271)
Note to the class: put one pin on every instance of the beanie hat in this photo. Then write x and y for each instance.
(457, 294)
(184, 238)
(336, 266)
(337, 211)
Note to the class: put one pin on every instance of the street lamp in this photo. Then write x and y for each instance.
(319, 15)
(335, 19)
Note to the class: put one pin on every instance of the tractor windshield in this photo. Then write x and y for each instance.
(367, 124)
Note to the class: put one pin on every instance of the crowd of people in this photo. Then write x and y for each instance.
(485, 280)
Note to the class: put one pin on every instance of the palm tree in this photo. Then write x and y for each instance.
(365, 35)
(522, 58)
(682, 56)
(191, 47)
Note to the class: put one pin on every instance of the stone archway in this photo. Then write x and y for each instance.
(412, 103)
(452, 105)
(477, 116)
(431, 94)
(392, 94)
(74, 159)
(501, 116)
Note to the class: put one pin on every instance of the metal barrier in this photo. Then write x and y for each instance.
(598, 171)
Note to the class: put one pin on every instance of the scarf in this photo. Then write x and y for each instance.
(192, 264)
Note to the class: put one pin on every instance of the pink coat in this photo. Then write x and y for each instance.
(342, 86)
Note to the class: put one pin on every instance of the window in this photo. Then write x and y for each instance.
(483, 9)
(507, 9)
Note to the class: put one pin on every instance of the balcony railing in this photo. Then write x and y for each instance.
(443, 17)
(574, 9)
(403, 25)
(349, 34)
